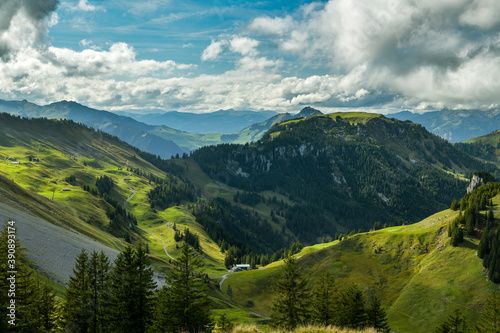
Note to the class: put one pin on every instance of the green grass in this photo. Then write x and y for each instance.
(418, 275)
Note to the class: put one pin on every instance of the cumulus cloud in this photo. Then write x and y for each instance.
(423, 51)
(213, 50)
(24, 23)
(245, 46)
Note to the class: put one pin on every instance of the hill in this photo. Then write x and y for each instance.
(455, 125)
(222, 121)
(414, 270)
(345, 171)
(50, 171)
(485, 147)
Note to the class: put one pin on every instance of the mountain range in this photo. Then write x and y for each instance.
(455, 125)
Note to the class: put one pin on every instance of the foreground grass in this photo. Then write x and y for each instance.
(304, 329)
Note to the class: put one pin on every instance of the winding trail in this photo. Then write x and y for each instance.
(8, 158)
(223, 277)
(164, 247)
(131, 196)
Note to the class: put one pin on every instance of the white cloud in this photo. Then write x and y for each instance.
(483, 14)
(213, 50)
(271, 26)
(245, 46)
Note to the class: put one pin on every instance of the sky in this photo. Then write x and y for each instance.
(203, 56)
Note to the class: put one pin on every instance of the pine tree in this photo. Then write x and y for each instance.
(490, 317)
(377, 317)
(187, 308)
(99, 268)
(131, 289)
(224, 324)
(454, 323)
(77, 312)
(291, 304)
(350, 308)
(323, 298)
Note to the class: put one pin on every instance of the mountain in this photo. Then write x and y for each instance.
(345, 171)
(125, 128)
(257, 131)
(222, 121)
(455, 125)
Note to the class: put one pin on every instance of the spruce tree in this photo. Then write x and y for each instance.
(186, 307)
(77, 310)
(99, 268)
(377, 317)
(350, 308)
(291, 303)
(490, 317)
(323, 298)
(454, 323)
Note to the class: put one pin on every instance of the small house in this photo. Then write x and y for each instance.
(66, 189)
(127, 178)
(240, 267)
(15, 162)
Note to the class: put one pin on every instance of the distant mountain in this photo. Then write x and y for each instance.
(257, 131)
(125, 128)
(222, 121)
(455, 125)
(346, 170)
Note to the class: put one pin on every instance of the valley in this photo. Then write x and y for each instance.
(70, 187)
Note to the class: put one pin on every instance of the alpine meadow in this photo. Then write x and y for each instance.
(295, 166)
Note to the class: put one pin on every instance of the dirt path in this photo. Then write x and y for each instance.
(131, 189)
(8, 158)
(164, 247)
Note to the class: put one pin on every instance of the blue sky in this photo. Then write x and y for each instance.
(203, 56)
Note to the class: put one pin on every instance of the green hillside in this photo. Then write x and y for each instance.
(418, 275)
(47, 156)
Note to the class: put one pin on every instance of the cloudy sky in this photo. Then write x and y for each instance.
(200, 56)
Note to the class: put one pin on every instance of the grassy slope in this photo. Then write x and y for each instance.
(418, 275)
(60, 158)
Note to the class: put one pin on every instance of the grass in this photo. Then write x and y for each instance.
(418, 275)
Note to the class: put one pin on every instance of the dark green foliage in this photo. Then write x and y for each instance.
(344, 174)
(131, 291)
(455, 205)
(71, 180)
(490, 253)
(192, 240)
(77, 310)
(323, 300)
(377, 317)
(184, 306)
(290, 305)
(104, 185)
(489, 322)
(170, 194)
(239, 228)
(454, 323)
(248, 198)
(350, 308)
(455, 232)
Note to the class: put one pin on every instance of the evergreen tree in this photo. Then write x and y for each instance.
(490, 317)
(377, 317)
(291, 304)
(99, 270)
(323, 295)
(185, 305)
(454, 323)
(77, 310)
(224, 324)
(131, 291)
(350, 308)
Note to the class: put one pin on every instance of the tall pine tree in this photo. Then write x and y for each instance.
(291, 303)
(323, 298)
(377, 317)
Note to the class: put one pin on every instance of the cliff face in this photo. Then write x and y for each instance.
(475, 182)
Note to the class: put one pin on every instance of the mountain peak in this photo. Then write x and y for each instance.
(308, 111)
